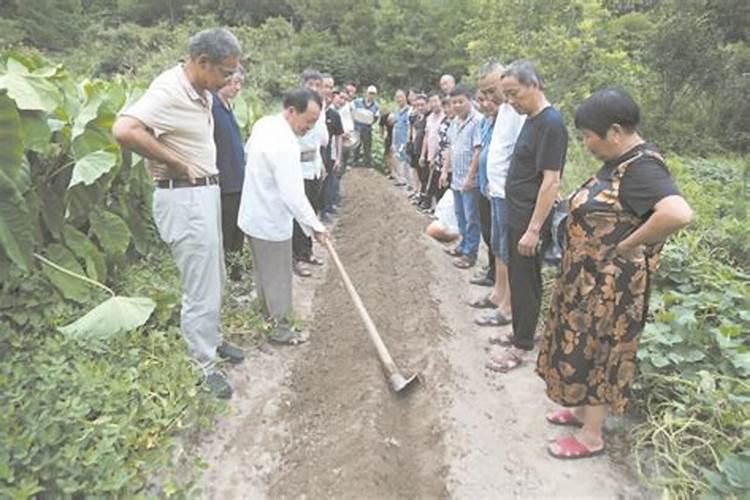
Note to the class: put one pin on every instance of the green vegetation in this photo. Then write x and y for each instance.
(99, 417)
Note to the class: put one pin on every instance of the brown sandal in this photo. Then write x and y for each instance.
(464, 262)
(503, 339)
(454, 252)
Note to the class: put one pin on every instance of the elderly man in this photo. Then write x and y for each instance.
(507, 127)
(272, 196)
(171, 125)
(447, 84)
(230, 160)
(531, 188)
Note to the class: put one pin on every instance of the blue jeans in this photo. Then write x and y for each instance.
(331, 192)
(466, 205)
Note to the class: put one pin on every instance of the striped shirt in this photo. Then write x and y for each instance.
(466, 138)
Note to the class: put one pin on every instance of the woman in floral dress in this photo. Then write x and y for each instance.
(618, 222)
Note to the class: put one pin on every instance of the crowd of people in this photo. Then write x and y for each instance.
(487, 164)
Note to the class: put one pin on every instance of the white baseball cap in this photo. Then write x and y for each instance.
(372, 89)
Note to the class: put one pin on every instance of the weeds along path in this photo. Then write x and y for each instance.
(319, 421)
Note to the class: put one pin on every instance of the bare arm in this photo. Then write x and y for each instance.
(473, 167)
(545, 199)
(134, 135)
(671, 214)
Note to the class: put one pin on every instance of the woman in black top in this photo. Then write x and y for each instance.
(618, 222)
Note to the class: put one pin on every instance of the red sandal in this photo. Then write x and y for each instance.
(565, 418)
(572, 449)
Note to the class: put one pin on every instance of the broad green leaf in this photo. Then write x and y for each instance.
(111, 231)
(16, 237)
(737, 470)
(52, 207)
(113, 316)
(11, 137)
(36, 130)
(85, 249)
(92, 166)
(241, 112)
(70, 287)
(89, 111)
(31, 92)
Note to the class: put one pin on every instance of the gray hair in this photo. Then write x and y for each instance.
(490, 67)
(217, 44)
(526, 73)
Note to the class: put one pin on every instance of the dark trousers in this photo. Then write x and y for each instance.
(232, 235)
(363, 153)
(301, 243)
(485, 221)
(434, 191)
(525, 277)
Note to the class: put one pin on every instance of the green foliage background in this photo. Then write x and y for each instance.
(101, 419)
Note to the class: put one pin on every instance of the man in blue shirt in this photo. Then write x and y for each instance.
(365, 113)
(230, 160)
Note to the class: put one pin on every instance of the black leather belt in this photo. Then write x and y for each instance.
(184, 183)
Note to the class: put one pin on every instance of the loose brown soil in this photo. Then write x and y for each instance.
(319, 420)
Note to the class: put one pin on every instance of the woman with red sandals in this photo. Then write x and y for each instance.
(617, 225)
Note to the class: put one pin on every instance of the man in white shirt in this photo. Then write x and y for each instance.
(273, 195)
(507, 127)
(313, 172)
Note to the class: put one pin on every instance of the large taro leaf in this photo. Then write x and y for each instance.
(113, 316)
(36, 131)
(86, 250)
(92, 166)
(70, 287)
(16, 236)
(111, 231)
(11, 137)
(31, 92)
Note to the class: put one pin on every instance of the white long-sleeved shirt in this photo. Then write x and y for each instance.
(273, 193)
(507, 127)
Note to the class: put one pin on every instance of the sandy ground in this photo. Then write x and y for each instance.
(319, 420)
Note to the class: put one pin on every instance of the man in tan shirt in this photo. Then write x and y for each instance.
(172, 126)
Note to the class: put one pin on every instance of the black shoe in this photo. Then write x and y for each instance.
(299, 270)
(482, 281)
(231, 353)
(218, 385)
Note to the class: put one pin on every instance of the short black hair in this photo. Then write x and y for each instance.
(300, 98)
(420, 96)
(310, 74)
(463, 90)
(606, 107)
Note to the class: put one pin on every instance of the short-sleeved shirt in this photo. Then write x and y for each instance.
(645, 182)
(230, 151)
(372, 107)
(465, 140)
(486, 127)
(335, 128)
(432, 134)
(541, 145)
(419, 122)
(180, 118)
(401, 128)
(444, 141)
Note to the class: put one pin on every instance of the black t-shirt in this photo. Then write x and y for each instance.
(419, 124)
(335, 127)
(388, 140)
(541, 145)
(645, 182)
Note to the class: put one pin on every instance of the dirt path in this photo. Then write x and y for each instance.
(318, 421)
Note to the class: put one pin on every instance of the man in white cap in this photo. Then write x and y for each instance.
(365, 112)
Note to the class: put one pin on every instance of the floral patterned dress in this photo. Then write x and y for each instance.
(588, 352)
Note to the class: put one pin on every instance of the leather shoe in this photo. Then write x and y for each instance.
(482, 281)
(231, 353)
(299, 270)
